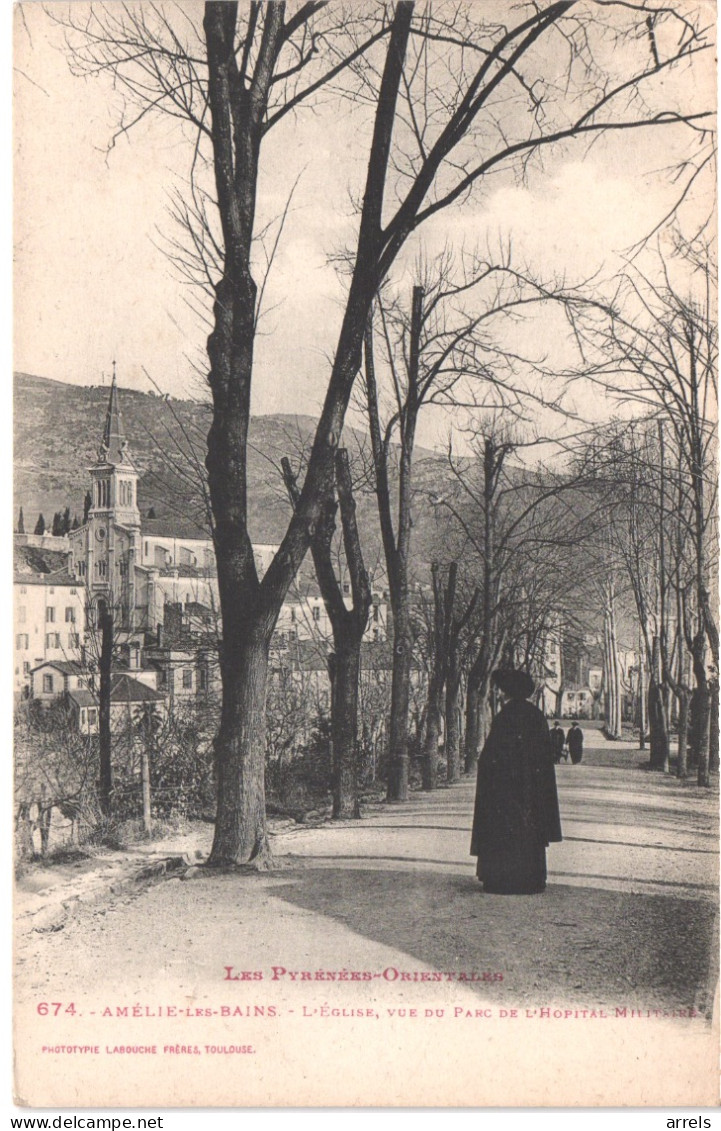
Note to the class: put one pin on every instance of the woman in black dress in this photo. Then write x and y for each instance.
(516, 814)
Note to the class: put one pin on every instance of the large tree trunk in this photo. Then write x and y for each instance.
(472, 742)
(642, 701)
(441, 645)
(476, 721)
(250, 608)
(658, 729)
(400, 698)
(613, 675)
(453, 744)
(558, 710)
(700, 709)
(433, 732)
(105, 751)
(240, 831)
(700, 717)
(713, 750)
(683, 721)
(345, 667)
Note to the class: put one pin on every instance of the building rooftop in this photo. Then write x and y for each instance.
(68, 667)
(35, 561)
(179, 527)
(83, 698)
(125, 689)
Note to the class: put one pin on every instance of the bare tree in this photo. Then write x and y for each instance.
(444, 352)
(348, 624)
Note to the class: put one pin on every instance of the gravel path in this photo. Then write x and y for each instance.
(627, 923)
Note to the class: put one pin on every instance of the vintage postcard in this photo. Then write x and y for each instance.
(365, 646)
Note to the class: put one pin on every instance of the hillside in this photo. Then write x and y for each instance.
(57, 430)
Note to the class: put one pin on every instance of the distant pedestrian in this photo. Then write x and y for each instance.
(516, 814)
(575, 743)
(558, 739)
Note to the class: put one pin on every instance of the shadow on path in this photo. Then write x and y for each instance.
(575, 945)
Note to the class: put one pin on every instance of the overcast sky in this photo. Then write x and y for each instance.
(92, 283)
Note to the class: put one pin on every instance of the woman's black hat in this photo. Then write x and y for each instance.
(515, 684)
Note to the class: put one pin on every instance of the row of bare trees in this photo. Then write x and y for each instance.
(448, 101)
(658, 478)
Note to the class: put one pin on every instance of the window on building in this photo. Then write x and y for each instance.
(81, 570)
(123, 566)
(26, 667)
(73, 640)
(346, 589)
(375, 613)
(22, 614)
(52, 640)
(92, 716)
(101, 568)
(51, 590)
(70, 614)
(73, 592)
(202, 679)
(23, 588)
(187, 678)
(83, 716)
(50, 614)
(316, 612)
(292, 616)
(47, 683)
(21, 641)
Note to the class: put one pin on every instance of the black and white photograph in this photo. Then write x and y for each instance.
(365, 554)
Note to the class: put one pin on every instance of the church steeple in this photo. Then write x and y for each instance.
(114, 441)
(115, 476)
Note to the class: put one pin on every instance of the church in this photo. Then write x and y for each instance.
(161, 589)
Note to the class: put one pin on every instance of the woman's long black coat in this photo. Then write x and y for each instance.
(516, 797)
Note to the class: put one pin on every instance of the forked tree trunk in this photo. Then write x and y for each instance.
(348, 627)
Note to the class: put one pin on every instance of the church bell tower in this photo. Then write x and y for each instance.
(113, 526)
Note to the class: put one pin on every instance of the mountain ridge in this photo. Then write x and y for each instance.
(57, 432)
